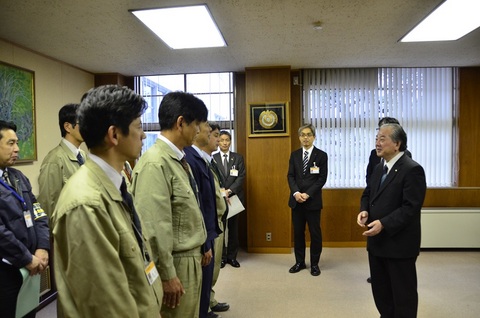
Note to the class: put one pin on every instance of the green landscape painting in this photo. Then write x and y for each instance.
(17, 104)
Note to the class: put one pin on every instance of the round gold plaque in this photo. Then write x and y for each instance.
(268, 119)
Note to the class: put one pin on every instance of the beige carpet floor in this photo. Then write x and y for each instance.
(449, 286)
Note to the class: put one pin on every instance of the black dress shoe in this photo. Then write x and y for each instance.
(220, 307)
(297, 267)
(222, 264)
(233, 262)
(211, 314)
(315, 270)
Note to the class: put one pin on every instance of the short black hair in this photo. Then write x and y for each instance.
(105, 106)
(176, 104)
(225, 132)
(5, 125)
(214, 126)
(67, 114)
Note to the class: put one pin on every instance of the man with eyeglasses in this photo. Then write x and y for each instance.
(62, 161)
(307, 174)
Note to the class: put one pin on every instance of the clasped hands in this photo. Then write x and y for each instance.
(301, 197)
(374, 227)
(39, 262)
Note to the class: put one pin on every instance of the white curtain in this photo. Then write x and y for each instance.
(345, 105)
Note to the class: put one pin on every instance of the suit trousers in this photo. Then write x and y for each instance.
(301, 217)
(394, 286)
(207, 279)
(231, 249)
(10, 284)
(216, 271)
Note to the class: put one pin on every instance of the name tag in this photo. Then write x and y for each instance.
(314, 170)
(151, 272)
(234, 172)
(28, 218)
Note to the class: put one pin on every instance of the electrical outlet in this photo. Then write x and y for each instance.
(295, 80)
(268, 236)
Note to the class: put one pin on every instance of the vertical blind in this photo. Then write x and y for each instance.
(345, 106)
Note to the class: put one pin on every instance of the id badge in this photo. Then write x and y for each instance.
(234, 173)
(28, 218)
(151, 272)
(223, 192)
(314, 170)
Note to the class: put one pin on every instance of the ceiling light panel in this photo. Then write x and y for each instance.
(183, 27)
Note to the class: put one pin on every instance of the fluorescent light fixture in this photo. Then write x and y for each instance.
(183, 27)
(450, 21)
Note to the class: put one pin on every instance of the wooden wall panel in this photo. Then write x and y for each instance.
(114, 78)
(267, 165)
(469, 129)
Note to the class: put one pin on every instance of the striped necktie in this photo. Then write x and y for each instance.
(305, 162)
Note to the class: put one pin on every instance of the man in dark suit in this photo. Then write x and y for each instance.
(233, 170)
(374, 160)
(307, 174)
(197, 159)
(390, 208)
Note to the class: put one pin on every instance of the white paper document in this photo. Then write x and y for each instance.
(235, 206)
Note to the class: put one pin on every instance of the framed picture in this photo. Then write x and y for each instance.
(268, 119)
(17, 104)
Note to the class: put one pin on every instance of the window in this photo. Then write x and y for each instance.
(214, 89)
(345, 105)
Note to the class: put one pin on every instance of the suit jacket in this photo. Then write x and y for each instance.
(231, 182)
(57, 167)
(96, 252)
(397, 204)
(311, 184)
(206, 188)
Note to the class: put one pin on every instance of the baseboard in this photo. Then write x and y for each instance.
(270, 250)
(344, 244)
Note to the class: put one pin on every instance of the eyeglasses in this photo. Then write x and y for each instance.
(306, 135)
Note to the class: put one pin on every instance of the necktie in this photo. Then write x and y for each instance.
(305, 162)
(80, 159)
(384, 175)
(128, 201)
(5, 177)
(7, 180)
(225, 164)
(193, 184)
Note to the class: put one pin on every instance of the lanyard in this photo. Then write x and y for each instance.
(15, 194)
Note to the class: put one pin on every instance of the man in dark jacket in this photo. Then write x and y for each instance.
(24, 234)
(390, 208)
(307, 174)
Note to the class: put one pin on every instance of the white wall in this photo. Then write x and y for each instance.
(56, 84)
